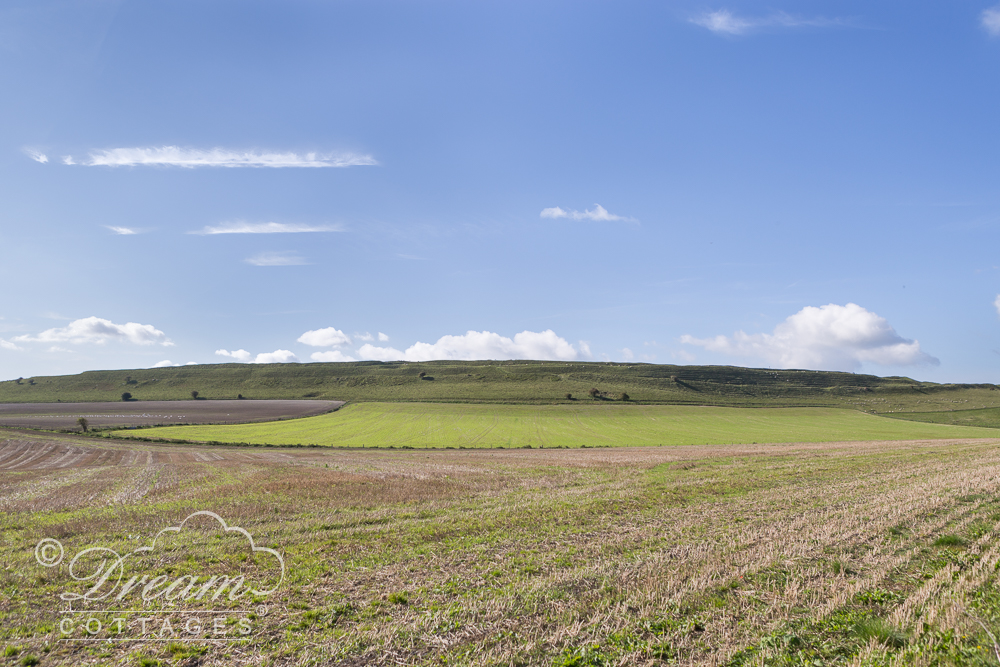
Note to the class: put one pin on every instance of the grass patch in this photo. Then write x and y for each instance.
(478, 426)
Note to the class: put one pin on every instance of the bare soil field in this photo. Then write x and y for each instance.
(64, 416)
(838, 553)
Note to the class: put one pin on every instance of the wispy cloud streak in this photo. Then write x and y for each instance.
(175, 156)
(276, 259)
(990, 19)
(241, 227)
(37, 156)
(725, 22)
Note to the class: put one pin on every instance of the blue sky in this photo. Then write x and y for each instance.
(802, 185)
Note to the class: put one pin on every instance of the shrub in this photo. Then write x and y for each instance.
(126, 396)
(595, 392)
(194, 395)
(569, 397)
(625, 396)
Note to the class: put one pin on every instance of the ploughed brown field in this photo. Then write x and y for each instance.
(58, 416)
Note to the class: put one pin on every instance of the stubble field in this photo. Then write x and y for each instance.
(835, 553)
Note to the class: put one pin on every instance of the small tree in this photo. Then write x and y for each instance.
(595, 392)
(624, 396)
(82, 421)
(569, 397)
(126, 396)
(422, 374)
(194, 395)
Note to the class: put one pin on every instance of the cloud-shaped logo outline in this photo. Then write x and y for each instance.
(228, 529)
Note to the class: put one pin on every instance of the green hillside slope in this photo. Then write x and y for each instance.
(509, 382)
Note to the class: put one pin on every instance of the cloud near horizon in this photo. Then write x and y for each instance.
(175, 156)
(723, 21)
(328, 337)
(276, 357)
(475, 345)
(100, 331)
(241, 227)
(166, 363)
(830, 337)
(598, 213)
(331, 355)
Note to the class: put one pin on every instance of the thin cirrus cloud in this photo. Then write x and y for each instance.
(276, 259)
(99, 331)
(241, 227)
(482, 345)
(724, 22)
(276, 357)
(122, 231)
(598, 214)
(996, 304)
(990, 20)
(7, 345)
(37, 156)
(829, 337)
(176, 156)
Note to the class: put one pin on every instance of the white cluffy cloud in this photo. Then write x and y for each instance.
(830, 337)
(276, 259)
(332, 355)
(276, 357)
(383, 338)
(996, 304)
(175, 156)
(100, 331)
(480, 345)
(122, 231)
(37, 156)
(241, 227)
(599, 213)
(238, 355)
(990, 18)
(724, 21)
(328, 337)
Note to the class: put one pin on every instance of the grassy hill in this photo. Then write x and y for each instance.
(532, 382)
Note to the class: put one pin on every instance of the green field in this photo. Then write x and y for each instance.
(983, 417)
(518, 382)
(460, 425)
